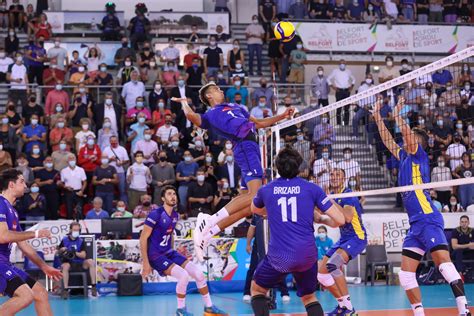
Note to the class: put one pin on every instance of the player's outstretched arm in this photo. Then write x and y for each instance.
(257, 210)
(31, 254)
(333, 217)
(8, 236)
(408, 136)
(387, 138)
(146, 233)
(188, 111)
(269, 121)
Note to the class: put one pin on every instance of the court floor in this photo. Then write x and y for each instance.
(369, 301)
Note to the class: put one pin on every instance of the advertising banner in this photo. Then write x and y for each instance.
(79, 21)
(179, 23)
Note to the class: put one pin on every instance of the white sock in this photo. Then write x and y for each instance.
(461, 302)
(181, 302)
(220, 215)
(207, 300)
(340, 302)
(418, 309)
(347, 302)
(214, 231)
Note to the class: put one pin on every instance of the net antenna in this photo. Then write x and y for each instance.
(387, 89)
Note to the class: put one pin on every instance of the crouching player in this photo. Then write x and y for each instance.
(156, 246)
(352, 242)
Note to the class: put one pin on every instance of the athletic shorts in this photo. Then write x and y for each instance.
(296, 76)
(424, 236)
(268, 277)
(353, 247)
(12, 278)
(162, 263)
(247, 157)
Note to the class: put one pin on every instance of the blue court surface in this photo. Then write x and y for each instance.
(373, 301)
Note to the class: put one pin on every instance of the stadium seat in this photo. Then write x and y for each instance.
(376, 256)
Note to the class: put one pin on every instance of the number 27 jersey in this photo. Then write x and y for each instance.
(163, 225)
(290, 207)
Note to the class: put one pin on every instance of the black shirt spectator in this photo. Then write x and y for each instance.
(12, 43)
(124, 52)
(213, 56)
(30, 109)
(318, 11)
(339, 12)
(224, 197)
(105, 173)
(34, 162)
(81, 112)
(422, 10)
(463, 237)
(200, 191)
(450, 7)
(49, 190)
(174, 154)
(194, 75)
(155, 96)
(266, 9)
(465, 111)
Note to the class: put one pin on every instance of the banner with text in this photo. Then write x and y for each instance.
(357, 37)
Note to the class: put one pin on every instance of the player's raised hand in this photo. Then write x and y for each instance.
(378, 105)
(399, 106)
(53, 273)
(175, 99)
(44, 233)
(288, 114)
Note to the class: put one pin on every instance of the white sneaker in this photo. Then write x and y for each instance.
(246, 298)
(198, 235)
(285, 299)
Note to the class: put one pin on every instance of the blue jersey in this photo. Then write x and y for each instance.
(8, 215)
(290, 207)
(159, 243)
(354, 229)
(415, 169)
(228, 120)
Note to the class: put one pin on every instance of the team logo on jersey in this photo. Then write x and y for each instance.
(225, 109)
(432, 240)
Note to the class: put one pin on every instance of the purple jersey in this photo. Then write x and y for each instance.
(228, 120)
(290, 207)
(163, 226)
(8, 215)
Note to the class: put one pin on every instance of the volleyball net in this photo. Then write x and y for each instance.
(437, 99)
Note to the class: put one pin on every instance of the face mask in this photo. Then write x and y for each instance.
(1, 147)
(11, 33)
(198, 143)
(34, 189)
(236, 46)
(108, 101)
(212, 43)
(82, 90)
(121, 209)
(139, 160)
(181, 83)
(237, 83)
(5, 120)
(347, 156)
(147, 136)
(152, 64)
(48, 165)
(263, 85)
(299, 46)
(2, 55)
(322, 235)
(208, 159)
(34, 122)
(61, 124)
(220, 76)
(324, 120)
(458, 126)
(19, 59)
(352, 184)
(161, 105)
(62, 147)
(368, 81)
(453, 203)
(440, 122)
(238, 101)
(124, 44)
(75, 234)
(228, 146)
(261, 104)
(103, 69)
(104, 161)
(254, 21)
(107, 124)
(229, 158)
(90, 142)
(300, 137)
(128, 64)
(238, 66)
(141, 119)
(59, 108)
(225, 186)
(85, 127)
(325, 155)
(389, 63)
(467, 87)
(59, 87)
(441, 164)
(81, 69)
(431, 141)
(342, 66)
(139, 104)
(72, 163)
(158, 87)
(200, 178)
(449, 88)
(175, 144)
(187, 158)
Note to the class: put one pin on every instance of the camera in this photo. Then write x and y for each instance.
(66, 255)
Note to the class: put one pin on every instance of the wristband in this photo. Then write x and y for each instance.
(36, 233)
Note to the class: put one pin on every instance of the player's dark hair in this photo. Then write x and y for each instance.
(167, 188)
(7, 176)
(288, 162)
(347, 149)
(424, 136)
(203, 91)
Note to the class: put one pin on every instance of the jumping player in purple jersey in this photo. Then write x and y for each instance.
(234, 123)
(426, 231)
(352, 243)
(156, 246)
(289, 203)
(17, 284)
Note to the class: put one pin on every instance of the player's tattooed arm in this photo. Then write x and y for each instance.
(188, 111)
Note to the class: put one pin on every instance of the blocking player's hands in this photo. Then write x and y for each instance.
(53, 273)
(378, 105)
(146, 269)
(399, 106)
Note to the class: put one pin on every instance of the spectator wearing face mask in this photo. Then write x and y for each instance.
(237, 87)
(104, 180)
(88, 159)
(223, 195)
(118, 158)
(185, 173)
(136, 131)
(200, 195)
(5, 62)
(17, 75)
(355, 11)
(440, 79)
(108, 111)
(342, 81)
(146, 61)
(83, 134)
(198, 152)
(52, 75)
(165, 133)
(159, 114)
(423, 79)
(442, 133)
(162, 174)
(80, 76)
(170, 53)
(47, 179)
(434, 199)
(104, 134)
(195, 74)
(32, 108)
(148, 146)
(182, 91)
(255, 34)
(12, 42)
(221, 36)
(124, 52)
(297, 59)
(320, 87)
(121, 211)
(238, 100)
(34, 134)
(74, 183)
(170, 75)
(389, 71)
(35, 158)
(60, 132)
(323, 135)
(139, 28)
(350, 166)
(323, 242)
(322, 168)
(363, 107)
(213, 58)
(124, 74)
(261, 110)
(33, 205)
(442, 173)
(132, 90)
(263, 90)
(97, 212)
(239, 72)
(103, 77)
(452, 95)
(453, 205)
(405, 67)
(138, 179)
(132, 113)
(229, 170)
(60, 156)
(234, 55)
(455, 152)
(173, 151)
(156, 95)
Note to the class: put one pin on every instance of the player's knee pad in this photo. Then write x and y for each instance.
(335, 264)
(182, 278)
(196, 274)
(449, 272)
(407, 280)
(325, 279)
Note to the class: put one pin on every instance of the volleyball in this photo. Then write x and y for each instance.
(284, 31)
